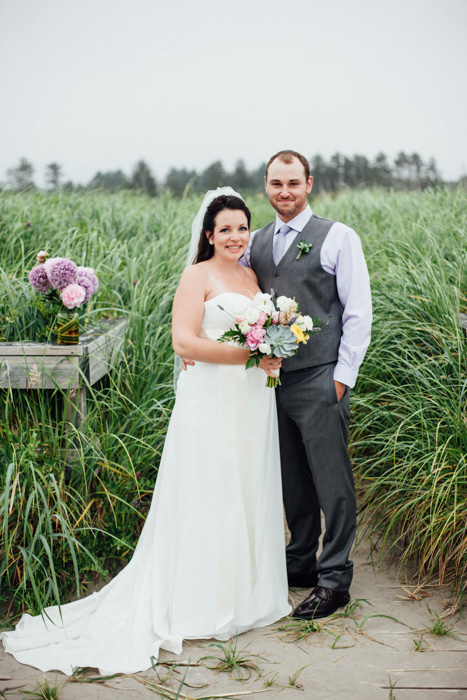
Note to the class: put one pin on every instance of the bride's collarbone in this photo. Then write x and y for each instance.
(215, 290)
(237, 282)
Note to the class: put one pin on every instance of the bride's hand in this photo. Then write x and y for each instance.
(270, 365)
(186, 362)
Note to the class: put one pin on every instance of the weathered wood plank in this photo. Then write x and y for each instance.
(39, 373)
(108, 332)
(103, 358)
(36, 349)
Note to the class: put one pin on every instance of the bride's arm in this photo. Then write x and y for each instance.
(187, 316)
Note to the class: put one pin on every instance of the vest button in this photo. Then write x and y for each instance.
(276, 274)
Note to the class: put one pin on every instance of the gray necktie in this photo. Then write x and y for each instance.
(279, 243)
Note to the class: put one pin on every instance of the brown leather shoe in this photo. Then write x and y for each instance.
(321, 602)
(302, 580)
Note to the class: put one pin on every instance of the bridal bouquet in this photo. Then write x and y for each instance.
(267, 331)
(67, 286)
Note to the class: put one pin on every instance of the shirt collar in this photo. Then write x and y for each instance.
(298, 223)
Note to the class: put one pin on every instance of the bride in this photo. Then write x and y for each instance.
(210, 562)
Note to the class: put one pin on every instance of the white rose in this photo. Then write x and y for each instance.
(286, 304)
(300, 322)
(252, 315)
(244, 327)
(264, 347)
(308, 323)
(260, 300)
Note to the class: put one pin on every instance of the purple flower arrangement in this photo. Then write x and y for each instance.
(73, 285)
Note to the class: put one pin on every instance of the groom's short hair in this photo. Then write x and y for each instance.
(287, 157)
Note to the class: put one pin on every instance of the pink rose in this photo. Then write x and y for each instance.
(73, 295)
(255, 337)
(263, 317)
(275, 318)
(42, 256)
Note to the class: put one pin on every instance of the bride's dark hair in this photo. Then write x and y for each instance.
(206, 251)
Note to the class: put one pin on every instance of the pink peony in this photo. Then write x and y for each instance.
(263, 317)
(255, 337)
(73, 295)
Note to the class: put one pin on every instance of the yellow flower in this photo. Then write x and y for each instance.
(298, 333)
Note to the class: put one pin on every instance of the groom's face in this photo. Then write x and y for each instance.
(287, 188)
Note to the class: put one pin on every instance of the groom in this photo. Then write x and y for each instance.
(329, 280)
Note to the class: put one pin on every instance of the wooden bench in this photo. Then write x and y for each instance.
(70, 368)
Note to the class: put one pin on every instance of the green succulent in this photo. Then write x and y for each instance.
(282, 341)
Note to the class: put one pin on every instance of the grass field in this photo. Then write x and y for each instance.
(409, 420)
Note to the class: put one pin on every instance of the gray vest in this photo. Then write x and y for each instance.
(314, 289)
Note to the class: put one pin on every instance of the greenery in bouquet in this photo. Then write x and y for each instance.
(269, 331)
(64, 287)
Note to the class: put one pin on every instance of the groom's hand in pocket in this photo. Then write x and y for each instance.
(340, 390)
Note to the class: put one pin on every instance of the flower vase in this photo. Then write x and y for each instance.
(68, 329)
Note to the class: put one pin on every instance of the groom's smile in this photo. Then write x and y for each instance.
(287, 188)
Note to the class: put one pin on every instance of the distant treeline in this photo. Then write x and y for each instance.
(406, 172)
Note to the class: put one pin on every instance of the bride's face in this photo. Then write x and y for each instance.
(231, 234)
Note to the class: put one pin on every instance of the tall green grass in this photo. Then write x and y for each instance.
(409, 422)
(137, 247)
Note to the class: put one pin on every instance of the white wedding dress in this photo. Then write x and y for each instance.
(210, 562)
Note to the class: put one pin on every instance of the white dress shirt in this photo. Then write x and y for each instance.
(341, 256)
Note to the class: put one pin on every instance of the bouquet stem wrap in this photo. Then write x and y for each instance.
(273, 382)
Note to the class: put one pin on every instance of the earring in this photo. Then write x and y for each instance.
(211, 242)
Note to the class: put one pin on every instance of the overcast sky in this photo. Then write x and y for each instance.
(98, 84)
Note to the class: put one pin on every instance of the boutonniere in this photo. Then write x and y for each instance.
(303, 247)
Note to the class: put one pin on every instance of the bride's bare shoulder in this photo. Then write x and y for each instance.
(251, 274)
(194, 273)
(193, 281)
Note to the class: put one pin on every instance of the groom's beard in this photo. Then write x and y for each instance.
(288, 207)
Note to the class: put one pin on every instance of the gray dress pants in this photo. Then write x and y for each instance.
(317, 474)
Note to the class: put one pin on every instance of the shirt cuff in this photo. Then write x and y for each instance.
(345, 375)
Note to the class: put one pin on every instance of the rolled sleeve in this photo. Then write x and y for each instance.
(342, 255)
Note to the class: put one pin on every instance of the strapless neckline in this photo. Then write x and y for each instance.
(239, 294)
